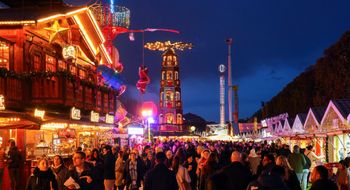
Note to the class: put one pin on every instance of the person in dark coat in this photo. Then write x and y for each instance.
(320, 180)
(208, 169)
(169, 159)
(97, 170)
(133, 172)
(160, 177)
(289, 176)
(81, 172)
(234, 176)
(13, 163)
(267, 163)
(108, 167)
(273, 180)
(60, 171)
(218, 181)
(42, 177)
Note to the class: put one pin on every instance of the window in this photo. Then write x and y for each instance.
(73, 69)
(169, 96)
(50, 63)
(36, 62)
(82, 74)
(160, 118)
(169, 75)
(169, 60)
(177, 96)
(161, 95)
(179, 119)
(169, 118)
(4, 55)
(176, 75)
(163, 75)
(62, 66)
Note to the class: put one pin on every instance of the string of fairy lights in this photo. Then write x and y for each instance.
(164, 46)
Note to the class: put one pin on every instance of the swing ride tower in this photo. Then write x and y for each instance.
(170, 103)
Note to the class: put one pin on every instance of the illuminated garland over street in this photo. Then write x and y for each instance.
(163, 46)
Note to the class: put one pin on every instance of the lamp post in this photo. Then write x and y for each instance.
(148, 110)
(147, 115)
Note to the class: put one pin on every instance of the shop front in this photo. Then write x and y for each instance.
(338, 146)
(136, 132)
(14, 125)
(335, 125)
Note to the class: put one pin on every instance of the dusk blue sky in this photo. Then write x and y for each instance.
(274, 41)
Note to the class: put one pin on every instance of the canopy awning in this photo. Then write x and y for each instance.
(18, 120)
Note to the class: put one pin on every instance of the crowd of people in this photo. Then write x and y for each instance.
(190, 165)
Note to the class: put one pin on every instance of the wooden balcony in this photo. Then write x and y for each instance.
(11, 89)
(61, 90)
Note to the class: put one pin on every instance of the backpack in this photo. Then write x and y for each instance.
(308, 162)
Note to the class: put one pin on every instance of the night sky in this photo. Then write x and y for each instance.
(274, 41)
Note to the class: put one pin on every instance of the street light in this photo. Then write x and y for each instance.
(149, 109)
(147, 115)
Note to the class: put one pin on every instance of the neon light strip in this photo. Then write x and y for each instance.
(112, 6)
(17, 22)
(85, 35)
(91, 16)
(60, 15)
(76, 11)
(103, 48)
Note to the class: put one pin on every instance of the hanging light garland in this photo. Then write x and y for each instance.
(163, 46)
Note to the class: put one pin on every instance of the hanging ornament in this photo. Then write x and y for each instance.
(144, 79)
(55, 29)
(121, 112)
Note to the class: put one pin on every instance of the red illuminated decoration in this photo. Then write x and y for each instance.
(119, 67)
(144, 79)
(149, 107)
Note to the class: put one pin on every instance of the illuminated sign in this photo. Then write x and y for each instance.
(109, 119)
(2, 102)
(75, 113)
(94, 116)
(69, 53)
(135, 131)
(39, 113)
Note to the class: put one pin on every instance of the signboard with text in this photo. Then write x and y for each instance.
(75, 113)
(39, 113)
(94, 116)
(2, 102)
(109, 119)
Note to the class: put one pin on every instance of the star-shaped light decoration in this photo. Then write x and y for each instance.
(55, 29)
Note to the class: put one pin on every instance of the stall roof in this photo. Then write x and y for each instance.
(318, 113)
(18, 120)
(290, 121)
(343, 106)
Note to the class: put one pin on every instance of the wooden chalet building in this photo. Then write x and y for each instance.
(49, 53)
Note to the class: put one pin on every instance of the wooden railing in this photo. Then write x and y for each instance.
(61, 90)
(11, 89)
